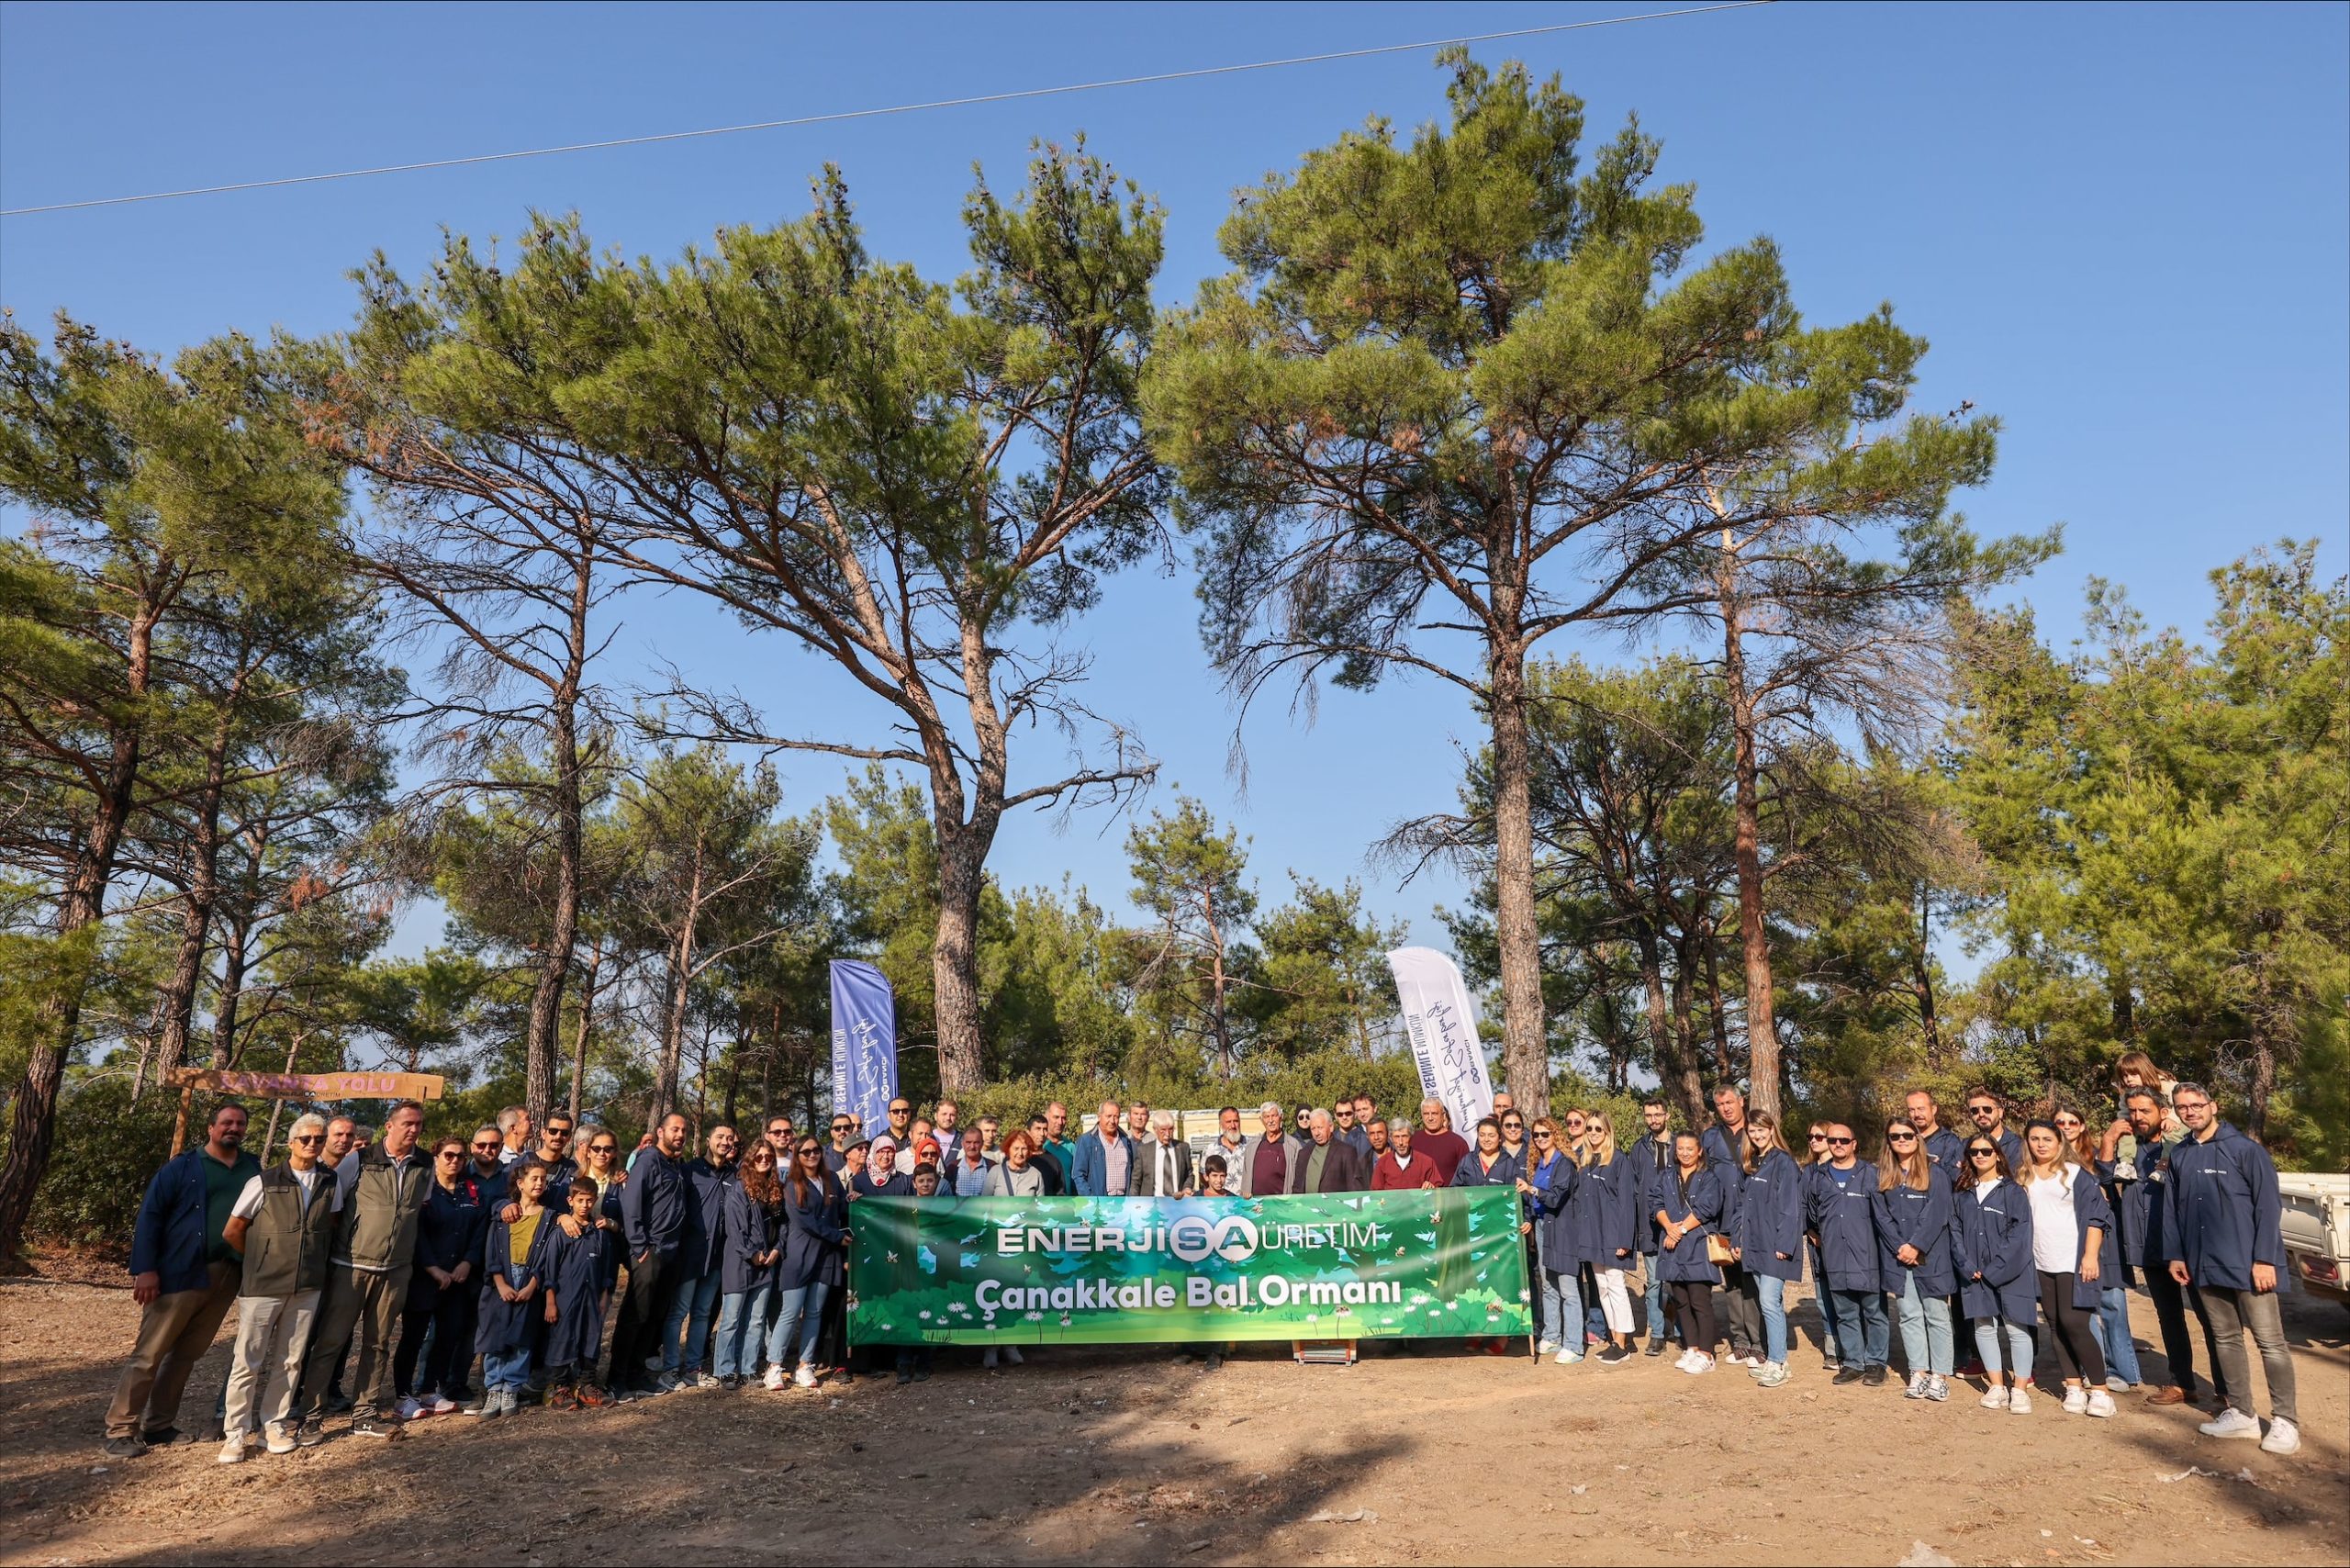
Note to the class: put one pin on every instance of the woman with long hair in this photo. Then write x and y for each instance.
(2070, 1220)
(442, 1291)
(1990, 1237)
(599, 1161)
(1913, 1214)
(1605, 1210)
(746, 1277)
(1689, 1211)
(1546, 1182)
(1767, 1227)
(815, 1246)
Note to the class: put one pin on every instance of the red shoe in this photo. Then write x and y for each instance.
(590, 1397)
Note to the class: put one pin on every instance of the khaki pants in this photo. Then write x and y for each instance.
(273, 1336)
(175, 1330)
(363, 1306)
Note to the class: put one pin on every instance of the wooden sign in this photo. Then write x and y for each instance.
(311, 1085)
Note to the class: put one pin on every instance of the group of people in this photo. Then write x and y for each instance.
(507, 1247)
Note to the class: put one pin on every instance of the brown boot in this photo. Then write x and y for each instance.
(2168, 1393)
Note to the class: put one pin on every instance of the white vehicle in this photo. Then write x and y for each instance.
(2317, 1232)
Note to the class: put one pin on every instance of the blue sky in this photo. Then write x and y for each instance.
(2124, 229)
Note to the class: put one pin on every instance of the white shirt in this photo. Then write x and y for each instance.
(247, 1202)
(2055, 1235)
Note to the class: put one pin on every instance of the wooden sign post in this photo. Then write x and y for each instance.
(294, 1086)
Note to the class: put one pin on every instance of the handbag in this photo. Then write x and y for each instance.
(1718, 1250)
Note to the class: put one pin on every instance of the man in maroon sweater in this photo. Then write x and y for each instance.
(1401, 1169)
(1445, 1148)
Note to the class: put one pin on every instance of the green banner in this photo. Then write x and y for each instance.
(1075, 1271)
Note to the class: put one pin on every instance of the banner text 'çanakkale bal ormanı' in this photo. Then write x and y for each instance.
(1342, 1266)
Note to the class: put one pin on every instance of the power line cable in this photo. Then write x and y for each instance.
(874, 113)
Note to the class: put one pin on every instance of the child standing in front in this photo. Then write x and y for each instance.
(513, 1265)
(577, 1300)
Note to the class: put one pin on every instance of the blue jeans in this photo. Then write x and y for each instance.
(1772, 1291)
(803, 1310)
(1863, 1334)
(1566, 1291)
(2113, 1333)
(697, 1300)
(507, 1370)
(742, 1328)
(1925, 1331)
(2019, 1349)
(1652, 1302)
(1553, 1313)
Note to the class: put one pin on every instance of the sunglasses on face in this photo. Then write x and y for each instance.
(840, 1126)
(1982, 1110)
(558, 1135)
(1843, 1142)
(1983, 1153)
(1901, 1137)
(808, 1151)
(445, 1154)
(2068, 1121)
(311, 1137)
(900, 1110)
(1819, 1138)
(603, 1148)
(487, 1148)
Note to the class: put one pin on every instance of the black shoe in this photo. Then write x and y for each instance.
(1656, 1348)
(1846, 1375)
(164, 1437)
(905, 1375)
(125, 1448)
(311, 1433)
(338, 1402)
(922, 1374)
(1613, 1356)
(1873, 1377)
(1215, 1363)
(369, 1426)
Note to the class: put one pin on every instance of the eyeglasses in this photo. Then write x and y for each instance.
(445, 1154)
(900, 1110)
(809, 1151)
(1983, 1153)
(2190, 1104)
(309, 1138)
(1901, 1137)
(2068, 1121)
(1982, 1110)
(1819, 1138)
(487, 1148)
(840, 1126)
(603, 1148)
(1841, 1142)
(557, 1134)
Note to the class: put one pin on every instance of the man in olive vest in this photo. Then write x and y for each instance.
(283, 1226)
(374, 1253)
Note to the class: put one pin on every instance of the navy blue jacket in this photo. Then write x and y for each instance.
(751, 1229)
(170, 1238)
(652, 1206)
(1844, 1218)
(575, 1270)
(2140, 1206)
(1090, 1172)
(1471, 1171)
(1948, 1151)
(705, 1239)
(1604, 1213)
(1537, 1175)
(1770, 1219)
(1907, 1217)
(1554, 1191)
(1686, 1259)
(1992, 1237)
(2225, 1213)
(503, 1326)
(1651, 1161)
(1721, 1144)
(448, 1232)
(813, 1229)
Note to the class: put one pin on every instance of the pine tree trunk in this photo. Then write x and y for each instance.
(32, 1122)
(1686, 1082)
(954, 962)
(197, 905)
(1762, 1032)
(563, 931)
(1922, 978)
(1526, 1053)
(587, 1028)
(1219, 1022)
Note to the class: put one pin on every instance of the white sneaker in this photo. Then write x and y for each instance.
(1938, 1388)
(279, 1438)
(2100, 1403)
(2283, 1437)
(2077, 1399)
(233, 1450)
(1997, 1399)
(2231, 1423)
(805, 1377)
(1567, 1357)
(1771, 1374)
(775, 1377)
(2018, 1401)
(1917, 1389)
(444, 1406)
(1545, 1348)
(2118, 1384)
(1680, 1362)
(408, 1410)
(1701, 1365)
(1011, 1355)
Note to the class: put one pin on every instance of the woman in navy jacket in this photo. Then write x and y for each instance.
(1767, 1228)
(1689, 1209)
(1604, 1229)
(1547, 1186)
(1913, 1210)
(816, 1245)
(1990, 1237)
(746, 1270)
(2070, 1220)
(1488, 1164)
(442, 1288)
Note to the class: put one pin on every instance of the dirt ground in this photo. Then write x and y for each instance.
(1119, 1456)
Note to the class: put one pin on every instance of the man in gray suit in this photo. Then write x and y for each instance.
(1162, 1166)
(1266, 1159)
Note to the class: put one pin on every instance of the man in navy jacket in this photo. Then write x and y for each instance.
(2223, 1233)
(652, 1229)
(700, 1254)
(183, 1277)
